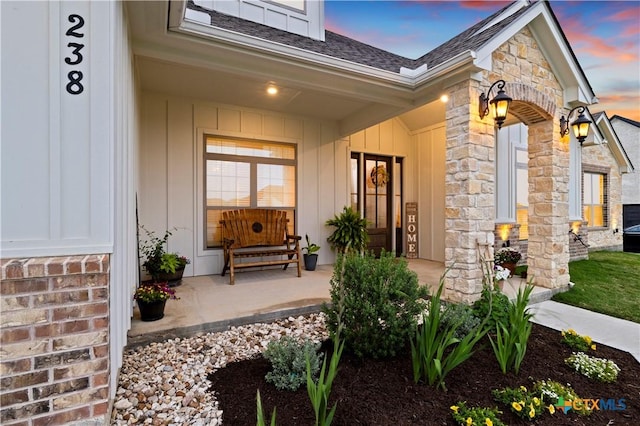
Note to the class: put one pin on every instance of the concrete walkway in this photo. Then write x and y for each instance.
(614, 332)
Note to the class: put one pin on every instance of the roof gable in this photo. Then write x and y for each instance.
(546, 30)
(607, 135)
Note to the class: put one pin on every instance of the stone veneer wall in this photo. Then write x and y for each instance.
(470, 169)
(599, 159)
(54, 331)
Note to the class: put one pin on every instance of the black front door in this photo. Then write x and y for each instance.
(378, 185)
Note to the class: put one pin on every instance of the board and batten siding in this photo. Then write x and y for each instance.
(172, 169)
(68, 244)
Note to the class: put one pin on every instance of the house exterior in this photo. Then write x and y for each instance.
(629, 133)
(156, 113)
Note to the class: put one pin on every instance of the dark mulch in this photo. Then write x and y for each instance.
(372, 392)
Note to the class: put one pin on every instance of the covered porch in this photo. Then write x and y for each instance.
(208, 303)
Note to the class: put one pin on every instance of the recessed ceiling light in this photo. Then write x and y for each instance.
(272, 90)
(444, 98)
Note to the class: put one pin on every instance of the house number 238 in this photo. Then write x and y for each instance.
(74, 86)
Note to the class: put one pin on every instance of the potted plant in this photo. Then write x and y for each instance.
(350, 233)
(162, 266)
(310, 256)
(507, 257)
(151, 299)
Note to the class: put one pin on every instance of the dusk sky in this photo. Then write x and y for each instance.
(604, 35)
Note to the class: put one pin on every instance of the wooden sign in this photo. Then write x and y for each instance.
(411, 212)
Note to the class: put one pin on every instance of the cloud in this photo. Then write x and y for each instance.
(590, 44)
(630, 13)
(483, 4)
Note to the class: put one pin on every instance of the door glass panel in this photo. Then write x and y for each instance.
(376, 193)
(353, 192)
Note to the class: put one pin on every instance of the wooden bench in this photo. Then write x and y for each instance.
(258, 233)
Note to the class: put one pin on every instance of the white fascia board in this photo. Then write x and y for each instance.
(538, 18)
(577, 89)
(513, 8)
(270, 48)
(610, 138)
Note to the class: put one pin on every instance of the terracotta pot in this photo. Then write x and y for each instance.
(151, 311)
(510, 266)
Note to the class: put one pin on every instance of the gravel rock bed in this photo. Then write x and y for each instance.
(166, 383)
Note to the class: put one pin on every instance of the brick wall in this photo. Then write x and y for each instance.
(54, 332)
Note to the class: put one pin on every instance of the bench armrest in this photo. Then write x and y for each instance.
(294, 237)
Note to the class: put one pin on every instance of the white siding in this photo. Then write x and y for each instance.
(431, 149)
(171, 170)
(124, 260)
(57, 161)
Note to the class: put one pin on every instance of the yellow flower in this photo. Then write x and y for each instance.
(571, 331)
(469, 421)
(587, 339)
(536, 400)
(551, 408)
(488, 422)
(593, 347)
(563, 333)
(516, 406)
(454, 408)
(532, 412)
(523, 388)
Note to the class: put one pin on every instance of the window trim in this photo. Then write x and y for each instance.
(253, 162)
(605, 172)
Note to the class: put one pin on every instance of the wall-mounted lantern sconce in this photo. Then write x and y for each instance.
(580, 126)
(499, 104)
(615, 231)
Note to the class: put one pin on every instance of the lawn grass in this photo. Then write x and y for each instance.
(608, 282)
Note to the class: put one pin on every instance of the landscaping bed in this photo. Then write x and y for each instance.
(382, 392)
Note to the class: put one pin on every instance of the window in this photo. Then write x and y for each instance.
(247, 174)
(522, 191)
(593, 202)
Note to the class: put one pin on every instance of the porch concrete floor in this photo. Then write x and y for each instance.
(208, 303)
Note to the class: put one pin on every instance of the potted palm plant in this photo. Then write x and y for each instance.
(310, 254)
(161, 265)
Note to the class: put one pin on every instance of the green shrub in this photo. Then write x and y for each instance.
(462, 315)
(494, 301)
(380, 303)
(288, 362)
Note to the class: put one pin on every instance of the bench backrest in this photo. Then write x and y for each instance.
(255, 227)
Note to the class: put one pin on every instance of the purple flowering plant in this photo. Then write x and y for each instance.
(154, 292)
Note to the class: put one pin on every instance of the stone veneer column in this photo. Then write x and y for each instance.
(548, 260)
(54, 331)
(469, 191)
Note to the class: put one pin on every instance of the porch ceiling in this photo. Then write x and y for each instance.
(188, 66)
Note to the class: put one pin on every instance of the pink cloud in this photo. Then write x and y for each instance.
(628, 14)
(483, 4)
(595, 46)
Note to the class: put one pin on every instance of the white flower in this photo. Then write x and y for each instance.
(501, 273)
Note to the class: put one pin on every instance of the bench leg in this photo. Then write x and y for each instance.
(225, 268)
(232, 274)
(299, 268)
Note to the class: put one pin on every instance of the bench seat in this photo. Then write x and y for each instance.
(258, 233)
